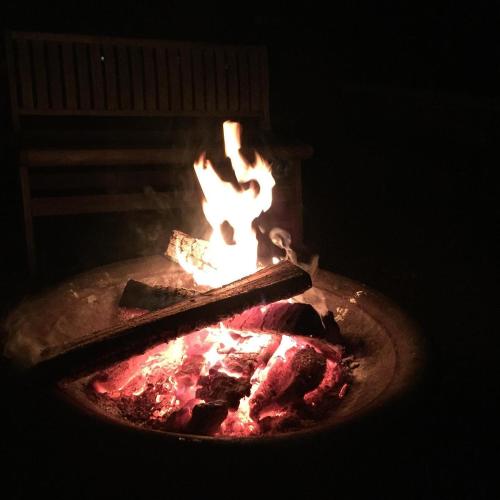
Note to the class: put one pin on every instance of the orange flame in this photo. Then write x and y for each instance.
(238, 207)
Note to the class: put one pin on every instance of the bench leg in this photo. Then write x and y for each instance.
(28, 219)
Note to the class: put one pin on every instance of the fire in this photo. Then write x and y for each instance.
(219, 380)
(225, 203)
(242, 372)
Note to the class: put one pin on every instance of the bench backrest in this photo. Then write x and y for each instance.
(72, 75)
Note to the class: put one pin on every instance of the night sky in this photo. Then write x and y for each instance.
(401, 106)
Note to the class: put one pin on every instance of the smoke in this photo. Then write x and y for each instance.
(283, 239)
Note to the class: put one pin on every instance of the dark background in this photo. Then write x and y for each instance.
(401, 106)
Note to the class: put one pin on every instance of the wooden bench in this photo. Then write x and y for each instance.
(97, 119)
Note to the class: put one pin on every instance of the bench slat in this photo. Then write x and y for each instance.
(125, 91)
(175, 80)
(255, 79)
(264, 86)
(140, 156)
(137, 70)
(186, 78)
(24, 64)
(198, 80)
(150, 78)
(83, 71)
(92, 157)
(209, 64)
(68, 205)
(244, 81)
(233, 81)
(163, 86)
(55, 74)
(69, 76)
(96, 76)
(40, 70)
(220, 65)
(101, 203)
(110, 72)
(111, 179)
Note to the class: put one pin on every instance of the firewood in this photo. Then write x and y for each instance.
(207, 418)
(217, 386)
(103, 348)
(288, 380)
(193, 249)
(280, 317)
(142, 296)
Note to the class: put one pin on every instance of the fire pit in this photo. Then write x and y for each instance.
(386, 348)
(212, 342)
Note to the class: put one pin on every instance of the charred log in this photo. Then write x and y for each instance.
(307, 369)
(281, 317)
(142, 296)
(217, 386)
(101, 349)
(289, 380)
(283, 422)
(206, 418)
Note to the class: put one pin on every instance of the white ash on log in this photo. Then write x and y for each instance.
(101, 349)
(192, 249)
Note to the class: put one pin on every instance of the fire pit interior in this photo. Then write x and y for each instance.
(212, 341)
(381, 359)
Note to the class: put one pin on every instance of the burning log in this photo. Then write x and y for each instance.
(280, 317)
(192, 249)
(289, 380)
(101, 349)
(142, 296)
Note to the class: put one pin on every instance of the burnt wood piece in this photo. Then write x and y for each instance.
(288, 381)
(207, 418)
(217, 386)
(193, 249)
(99, 350)
(142, 296)
(280, 317)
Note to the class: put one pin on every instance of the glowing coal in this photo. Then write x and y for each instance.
(225, 382)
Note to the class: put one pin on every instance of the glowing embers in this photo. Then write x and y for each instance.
(225, 382)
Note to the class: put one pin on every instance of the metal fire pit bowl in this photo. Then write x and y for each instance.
(388, 348)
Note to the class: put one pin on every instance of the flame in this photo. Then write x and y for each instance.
(224, 203)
